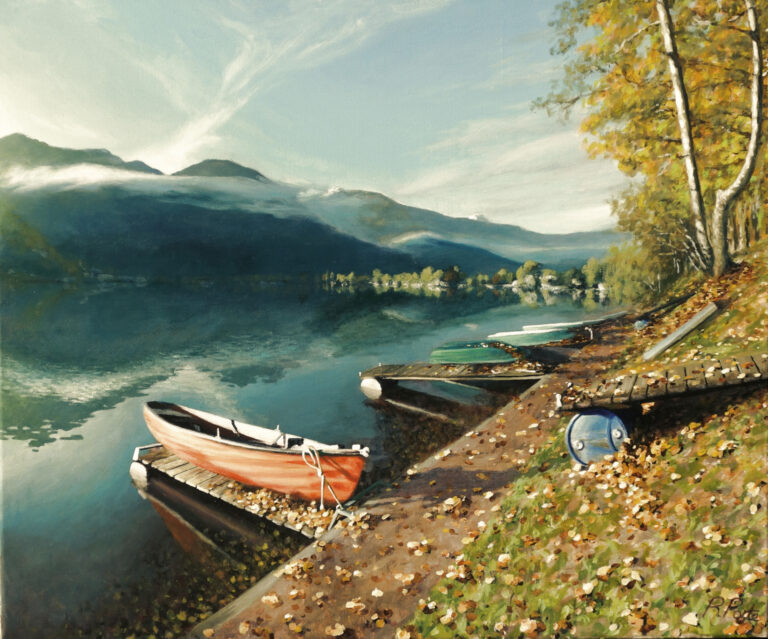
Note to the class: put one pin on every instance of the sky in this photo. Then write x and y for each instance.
(427, 101)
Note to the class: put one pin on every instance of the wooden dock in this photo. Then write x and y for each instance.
(301, 517)
(454, 372)
(374, 381)
(697, 376)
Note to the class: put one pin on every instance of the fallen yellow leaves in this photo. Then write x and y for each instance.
(356, 605)
(691, 619)
(271, 599)
(451, 504)
(418, 548)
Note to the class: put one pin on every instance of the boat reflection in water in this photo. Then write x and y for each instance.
(211, 532)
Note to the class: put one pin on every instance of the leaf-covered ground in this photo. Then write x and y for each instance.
(666, 539)
(497, 535)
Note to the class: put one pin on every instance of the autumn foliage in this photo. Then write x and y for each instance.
(617, 80)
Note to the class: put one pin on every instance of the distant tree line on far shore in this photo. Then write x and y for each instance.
(529, 277)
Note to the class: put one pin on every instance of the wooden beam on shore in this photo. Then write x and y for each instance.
(700, 317)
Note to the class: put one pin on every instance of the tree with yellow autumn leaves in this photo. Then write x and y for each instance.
(673, 92)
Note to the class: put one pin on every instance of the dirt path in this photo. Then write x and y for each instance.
(367, 579)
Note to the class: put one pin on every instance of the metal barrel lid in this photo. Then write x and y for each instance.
(594, 433)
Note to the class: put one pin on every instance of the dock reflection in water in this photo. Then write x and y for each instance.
(211, 532)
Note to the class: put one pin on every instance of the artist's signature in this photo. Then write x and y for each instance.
(735, 607)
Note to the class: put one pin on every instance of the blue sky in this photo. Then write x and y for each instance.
(427, 101)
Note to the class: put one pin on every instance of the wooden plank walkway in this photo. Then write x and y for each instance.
(696, 376)
(454, 372)
(157, 459)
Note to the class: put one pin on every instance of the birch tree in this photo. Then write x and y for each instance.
(673, 93)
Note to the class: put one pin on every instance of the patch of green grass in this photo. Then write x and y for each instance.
(622, 548)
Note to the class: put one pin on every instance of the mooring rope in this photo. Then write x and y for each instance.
(311, 458)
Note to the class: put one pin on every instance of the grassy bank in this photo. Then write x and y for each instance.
(668, 538)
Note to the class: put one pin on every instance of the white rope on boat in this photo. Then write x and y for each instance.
(311, 458)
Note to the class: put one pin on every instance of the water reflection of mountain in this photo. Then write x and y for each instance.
(70, 351)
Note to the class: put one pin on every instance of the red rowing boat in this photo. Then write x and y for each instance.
(257, 456)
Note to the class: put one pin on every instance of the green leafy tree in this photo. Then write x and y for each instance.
(592, 271)
(573, 277)
(528, 274)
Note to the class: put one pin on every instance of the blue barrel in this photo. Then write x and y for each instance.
(593, 434)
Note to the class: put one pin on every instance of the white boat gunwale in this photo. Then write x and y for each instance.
(325, 450)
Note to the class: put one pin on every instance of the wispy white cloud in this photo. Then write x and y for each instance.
(520, 169)
(73, 176)
(170, 77)
(300, 38)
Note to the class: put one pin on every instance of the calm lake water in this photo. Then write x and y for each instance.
(83, 553)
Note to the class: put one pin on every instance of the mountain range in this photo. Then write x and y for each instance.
(68, 212)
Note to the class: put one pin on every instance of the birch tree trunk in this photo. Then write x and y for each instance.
(725, 197)
(684, 124)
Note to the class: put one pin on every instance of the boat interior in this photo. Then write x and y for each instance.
(179, 416)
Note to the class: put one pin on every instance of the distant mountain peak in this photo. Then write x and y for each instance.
(18, 149)
(222, 168)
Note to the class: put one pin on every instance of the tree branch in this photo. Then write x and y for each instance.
(637, 33)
